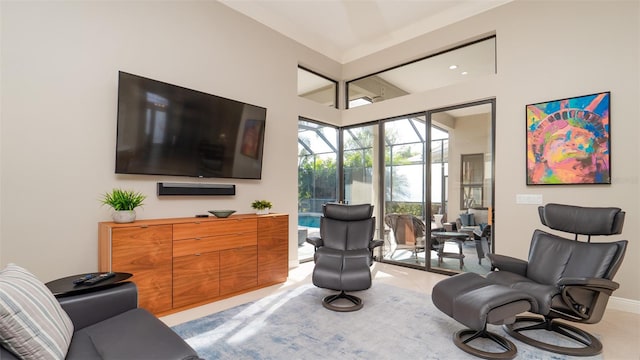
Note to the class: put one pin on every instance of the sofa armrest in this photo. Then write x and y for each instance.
(92, 307)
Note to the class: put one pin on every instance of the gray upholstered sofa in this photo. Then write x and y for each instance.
(109, 325)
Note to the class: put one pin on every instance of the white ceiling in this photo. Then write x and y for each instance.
(345, 30)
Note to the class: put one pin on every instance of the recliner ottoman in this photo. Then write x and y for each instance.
(475, 302)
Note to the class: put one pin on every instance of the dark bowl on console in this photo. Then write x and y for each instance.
(222, 213)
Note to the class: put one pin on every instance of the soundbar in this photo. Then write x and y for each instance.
(195, 189)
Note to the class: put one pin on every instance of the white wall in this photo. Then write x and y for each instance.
(546, 50)
(59, 81)
(471, 135)
(60, 62)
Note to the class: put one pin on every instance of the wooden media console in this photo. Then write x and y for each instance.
(185, 262)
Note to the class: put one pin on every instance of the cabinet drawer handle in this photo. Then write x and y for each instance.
(197, 254)
(144, 226)
(198, 238)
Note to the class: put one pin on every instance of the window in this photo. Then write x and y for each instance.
(360, 163)
(317, 88)
(317, 178)
(439, 172)
(446, 68)
(404, 165)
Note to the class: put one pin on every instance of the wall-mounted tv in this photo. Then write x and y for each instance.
(165, 129)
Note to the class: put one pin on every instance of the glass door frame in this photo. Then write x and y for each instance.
(380, 173)
(382, 186)
(310, 224)
(492, 103)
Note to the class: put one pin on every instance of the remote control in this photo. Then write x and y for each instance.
(80, 280)
(99, 278)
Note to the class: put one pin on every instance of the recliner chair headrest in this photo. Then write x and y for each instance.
(347, 212)
(582, 220)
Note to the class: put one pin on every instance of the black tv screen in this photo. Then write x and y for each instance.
(165, 129)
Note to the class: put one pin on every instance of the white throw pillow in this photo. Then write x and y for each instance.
(33, 325)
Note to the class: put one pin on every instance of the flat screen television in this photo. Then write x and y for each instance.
(165, 129)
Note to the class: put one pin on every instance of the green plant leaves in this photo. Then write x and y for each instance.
(120, 199)
(261, 204)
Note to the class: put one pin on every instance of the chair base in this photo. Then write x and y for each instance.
(327, 302)
(461, 340)
(592, 346)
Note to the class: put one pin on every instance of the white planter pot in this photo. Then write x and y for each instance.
(124, 216)
(262, 212)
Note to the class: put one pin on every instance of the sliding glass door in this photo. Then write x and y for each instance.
(438, 216)
(461, 187)
(404, 190)
(361, 159)
(317, 178)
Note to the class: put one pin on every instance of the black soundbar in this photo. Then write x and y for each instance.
(195, 189)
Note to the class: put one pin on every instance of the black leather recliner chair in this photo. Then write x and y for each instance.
(570, 279)
(344, 252)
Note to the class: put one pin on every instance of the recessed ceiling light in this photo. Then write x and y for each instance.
(453, 67)
(464, 73)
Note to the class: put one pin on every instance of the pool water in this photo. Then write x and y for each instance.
(309, 220)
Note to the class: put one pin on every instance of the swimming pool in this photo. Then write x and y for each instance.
(309, 219)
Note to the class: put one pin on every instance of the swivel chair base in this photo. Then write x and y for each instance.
(592, 346)
(461, 340)
(327, 302)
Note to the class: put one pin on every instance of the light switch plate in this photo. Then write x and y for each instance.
(533, 199)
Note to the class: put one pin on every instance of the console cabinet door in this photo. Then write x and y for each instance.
(273, 249)
(145, 252)
(238, 269)
(196, 278)
(180, 262)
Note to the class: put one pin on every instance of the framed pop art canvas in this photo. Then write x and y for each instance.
(568, 141)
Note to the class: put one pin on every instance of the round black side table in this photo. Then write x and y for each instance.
(65, 286)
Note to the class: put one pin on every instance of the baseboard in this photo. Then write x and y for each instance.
(622, 304)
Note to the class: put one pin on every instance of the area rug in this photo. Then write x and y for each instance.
(394, 323)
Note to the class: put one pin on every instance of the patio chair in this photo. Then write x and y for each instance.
(408, 232)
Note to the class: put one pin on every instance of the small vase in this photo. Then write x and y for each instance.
(262, 212)
(124, 216)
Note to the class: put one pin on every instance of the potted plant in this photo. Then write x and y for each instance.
(124, 203)
(262, 206)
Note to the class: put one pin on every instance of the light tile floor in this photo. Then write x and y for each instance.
(619, 330)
